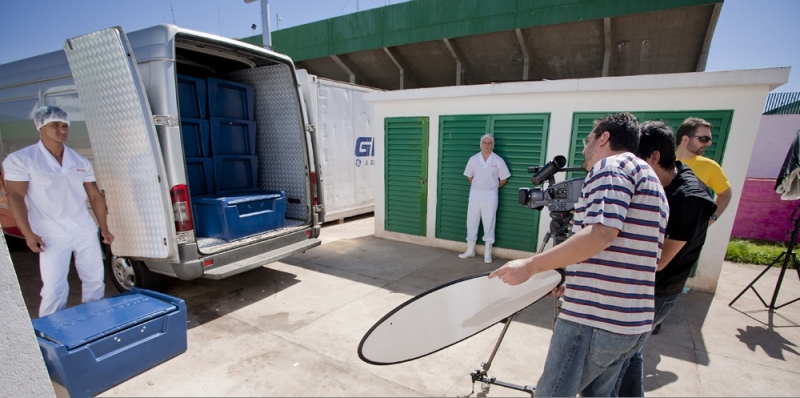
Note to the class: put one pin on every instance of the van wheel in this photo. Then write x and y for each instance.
(126, 273)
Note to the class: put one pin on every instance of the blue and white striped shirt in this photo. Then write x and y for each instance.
(614, 289)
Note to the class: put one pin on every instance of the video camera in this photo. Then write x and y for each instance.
(559, 198)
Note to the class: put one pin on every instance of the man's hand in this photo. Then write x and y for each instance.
(557, 291)
(107, 237)
(35, 243)
(514, 272)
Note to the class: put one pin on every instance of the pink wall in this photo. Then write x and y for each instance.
(762, 214)
(775, 134)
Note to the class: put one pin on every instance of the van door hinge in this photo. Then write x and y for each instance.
(165, 120)
(319, 208)
(311, 128)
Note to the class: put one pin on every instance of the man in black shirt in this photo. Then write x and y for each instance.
(690, 206)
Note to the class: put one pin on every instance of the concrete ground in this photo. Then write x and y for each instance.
(292, 328)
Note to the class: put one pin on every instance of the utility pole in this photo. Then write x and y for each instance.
(266, 35)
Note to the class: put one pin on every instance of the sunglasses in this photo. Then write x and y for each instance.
(586, 139)
(702, 138)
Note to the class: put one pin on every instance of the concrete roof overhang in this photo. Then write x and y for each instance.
(436, 43)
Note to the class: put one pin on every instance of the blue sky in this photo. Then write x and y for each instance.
(749, 33)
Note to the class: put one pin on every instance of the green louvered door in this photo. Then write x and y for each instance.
(521, 141)
(582, 124)
(406, 174)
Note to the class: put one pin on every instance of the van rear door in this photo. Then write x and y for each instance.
(127, 156)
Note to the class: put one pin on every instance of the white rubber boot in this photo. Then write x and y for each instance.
(470, 250)
(487, 253)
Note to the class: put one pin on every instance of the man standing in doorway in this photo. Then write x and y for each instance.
(693, 138)
(47, 185)
(487, 173)
(610, 263)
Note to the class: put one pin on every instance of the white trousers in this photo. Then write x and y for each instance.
(478, 211)
(54, 268)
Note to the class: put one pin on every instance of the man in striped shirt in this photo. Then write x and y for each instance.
(610, 261)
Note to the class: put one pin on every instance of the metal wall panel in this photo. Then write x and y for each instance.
(280, 137)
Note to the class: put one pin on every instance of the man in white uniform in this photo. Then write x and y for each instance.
(486, 172)
(47, 185)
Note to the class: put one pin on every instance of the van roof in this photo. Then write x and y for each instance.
(155, 42)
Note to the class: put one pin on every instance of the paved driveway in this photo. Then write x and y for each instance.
(292, 329)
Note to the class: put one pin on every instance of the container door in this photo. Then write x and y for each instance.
(128, 163)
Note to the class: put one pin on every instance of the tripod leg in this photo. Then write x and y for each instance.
(767, 268)
(788, 256)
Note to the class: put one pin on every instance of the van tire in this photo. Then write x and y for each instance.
(126, 273)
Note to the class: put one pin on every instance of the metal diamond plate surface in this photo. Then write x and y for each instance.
(123, 142)
(279, 140)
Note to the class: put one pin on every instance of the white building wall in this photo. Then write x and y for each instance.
(775, 135)
(24, 373)
(744, 92)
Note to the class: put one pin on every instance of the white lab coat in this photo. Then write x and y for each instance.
(486, 175)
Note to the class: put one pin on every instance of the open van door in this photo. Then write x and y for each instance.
(308, 106)
(127, 156)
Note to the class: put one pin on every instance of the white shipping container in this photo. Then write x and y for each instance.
(342, 123)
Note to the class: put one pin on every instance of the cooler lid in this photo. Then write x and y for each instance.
(77, 326)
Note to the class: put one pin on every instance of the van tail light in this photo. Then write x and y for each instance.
(314, 199)
(180, 208)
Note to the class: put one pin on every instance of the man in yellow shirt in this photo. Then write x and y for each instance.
(692, 138)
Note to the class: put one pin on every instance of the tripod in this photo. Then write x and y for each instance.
(559, 226)
(787, 256)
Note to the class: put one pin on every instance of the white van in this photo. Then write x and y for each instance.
(122, 96)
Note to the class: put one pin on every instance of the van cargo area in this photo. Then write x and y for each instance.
(249, 147)
(200, 144)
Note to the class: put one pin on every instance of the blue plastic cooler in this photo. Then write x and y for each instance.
(195, 135)
(232, 136)
(230, 99)
(192, 97)
(236, 217)
(95, 346)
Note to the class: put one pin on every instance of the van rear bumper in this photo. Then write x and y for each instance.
(240, 259)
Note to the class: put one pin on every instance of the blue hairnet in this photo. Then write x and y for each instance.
(48, 114)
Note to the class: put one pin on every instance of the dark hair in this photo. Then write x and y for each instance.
(657, 136)
(689, 127)
(623, 129)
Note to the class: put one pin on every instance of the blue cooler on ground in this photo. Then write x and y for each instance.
(236, 217)
(95, 346)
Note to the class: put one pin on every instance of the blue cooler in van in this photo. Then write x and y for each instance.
(195, 135)
(200, 176)
(234, 175)
(95, 346)
(232, 136)
(192, 97)
(230, 99)
(239, 216)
